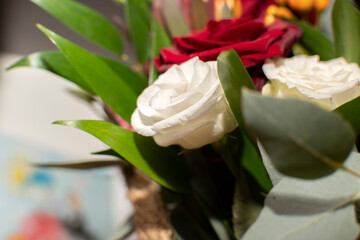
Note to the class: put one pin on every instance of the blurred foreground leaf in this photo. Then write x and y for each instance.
(84, 21)
(160, 164)
(301, 139)
(317, 209)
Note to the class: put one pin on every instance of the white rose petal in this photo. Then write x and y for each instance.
(185, 106)
(328, 84)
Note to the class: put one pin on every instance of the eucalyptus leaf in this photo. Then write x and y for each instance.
(299, 209)
(81, 165)
(315, 42)
(174, 19)
(351, 112)
(138, 18)
(346, 28)
(160, 164)
(84, 21)
(112, 88)
(301, 139)
(56, 63)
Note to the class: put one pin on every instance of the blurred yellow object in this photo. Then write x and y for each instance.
(301, 5)
(284, 12)
(321, 5)
(273, 11)
(269, 19)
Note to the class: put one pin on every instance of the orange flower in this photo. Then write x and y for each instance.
(321, 5)
(301, 5)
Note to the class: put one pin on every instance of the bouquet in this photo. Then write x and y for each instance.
(241, 118)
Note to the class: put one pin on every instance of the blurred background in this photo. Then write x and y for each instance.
(51, 204)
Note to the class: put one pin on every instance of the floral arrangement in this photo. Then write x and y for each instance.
(243, 112)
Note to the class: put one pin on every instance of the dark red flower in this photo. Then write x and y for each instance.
(249, 37)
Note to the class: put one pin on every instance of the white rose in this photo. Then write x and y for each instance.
(328, 84)
(185, 106)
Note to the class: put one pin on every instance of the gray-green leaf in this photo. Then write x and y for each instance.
(319, 209)
(301, 139)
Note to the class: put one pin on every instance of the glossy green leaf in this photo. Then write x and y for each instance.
(252, 162)
(351, 112)
(315, 42)
(81, 165)
(233, 76)
(56, 63)
(138, 18)
(346, 28)
(112, 88)
(84, 21)
(136, 82)
(160, 164)
(301, 139)
(160, 39)
(317, 209)
(174, 19)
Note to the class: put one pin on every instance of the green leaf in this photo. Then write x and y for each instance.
(174, 19)
(112, 88)
(301, 139)
(233, 76)
(245, 209)
(138, 19)
(315, 42)
(136, 82)
(351, 112)
(346, 28)
(317, 209)
(160, 164)
(81, 165)
(252, 162)
(56, 63)
(160, 39)
(85, 21)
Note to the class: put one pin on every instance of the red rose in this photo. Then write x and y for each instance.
(250, 38)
